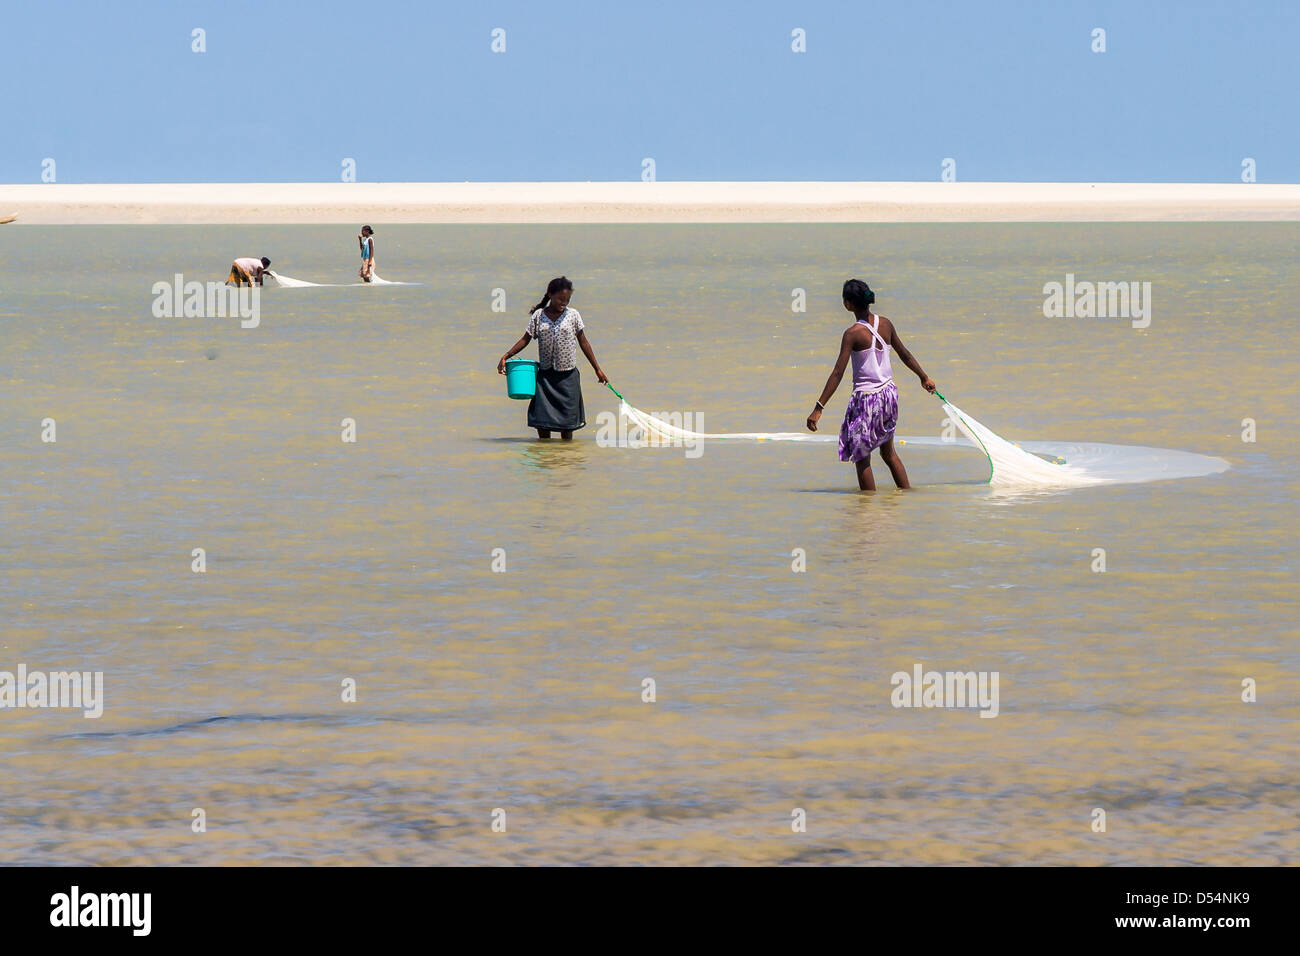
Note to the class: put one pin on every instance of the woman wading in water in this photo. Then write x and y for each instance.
(557, 405)
(872, 415)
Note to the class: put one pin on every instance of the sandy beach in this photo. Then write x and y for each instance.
(666, 202)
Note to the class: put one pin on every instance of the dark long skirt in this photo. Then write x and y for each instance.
(557, 406)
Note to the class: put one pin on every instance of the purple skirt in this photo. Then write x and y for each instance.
(869, 422)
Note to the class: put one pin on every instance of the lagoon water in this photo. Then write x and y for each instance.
(522, 690)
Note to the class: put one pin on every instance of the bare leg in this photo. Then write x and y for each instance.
(567, 436)
(543, 433)
(889, 455)
(866, 480)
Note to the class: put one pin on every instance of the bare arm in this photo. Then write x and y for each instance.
(910, 360)
(514, 349)
(591, 357)
(832, 382)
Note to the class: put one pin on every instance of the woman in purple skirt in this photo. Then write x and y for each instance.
(872, 414)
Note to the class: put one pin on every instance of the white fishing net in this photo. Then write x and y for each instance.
(285, 282)
(1012, 465)
(664, 432)
(288, 282)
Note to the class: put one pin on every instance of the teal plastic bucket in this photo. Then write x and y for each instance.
(521, 378)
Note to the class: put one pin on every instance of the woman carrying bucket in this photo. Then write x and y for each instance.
(556, 403)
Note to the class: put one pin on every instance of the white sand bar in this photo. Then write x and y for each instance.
(636, 202)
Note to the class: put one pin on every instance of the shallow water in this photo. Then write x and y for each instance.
(522, 690)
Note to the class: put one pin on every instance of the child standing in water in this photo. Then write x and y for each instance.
(872, 415)
(367, 242)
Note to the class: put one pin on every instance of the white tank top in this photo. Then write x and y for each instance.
(871, 368)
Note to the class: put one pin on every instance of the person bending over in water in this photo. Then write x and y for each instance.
(872, 415)
(367, 242)
(248, 271)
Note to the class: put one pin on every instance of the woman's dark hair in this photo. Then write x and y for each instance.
(367, 229)
(858, 294)
(558, 284)
(266, 263)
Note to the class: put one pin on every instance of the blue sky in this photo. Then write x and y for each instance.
(886, 91)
